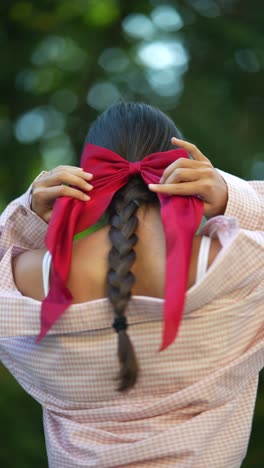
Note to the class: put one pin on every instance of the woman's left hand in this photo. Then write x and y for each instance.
(195, 177)
(63, 181)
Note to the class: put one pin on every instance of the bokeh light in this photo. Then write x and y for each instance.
(167, 18)
(64, 100)
(208, 8)
(41, 122)
(247, 60)
(56, 151)
(257, 171)
(113, 60)
(63, 51)
(163, 54)
(138, 26)
(102, 95)
(38, 81)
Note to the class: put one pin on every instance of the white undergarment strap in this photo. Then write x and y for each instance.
(203, 258)
(46, 271)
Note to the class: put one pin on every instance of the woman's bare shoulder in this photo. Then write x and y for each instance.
(88, 268)
(27, 273)
(215, 248)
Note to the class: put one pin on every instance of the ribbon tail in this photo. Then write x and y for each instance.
(58, 299)
(181, 216)
(59, 241)
(178, 259)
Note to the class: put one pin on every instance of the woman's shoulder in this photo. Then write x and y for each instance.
(242, 255)
(89, 266)
(214, 248)
(89, 261)
(27, 273)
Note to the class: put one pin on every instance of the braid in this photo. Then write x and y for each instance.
(132, 130)
(120, 280)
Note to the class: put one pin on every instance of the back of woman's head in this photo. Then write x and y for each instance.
(132, 130)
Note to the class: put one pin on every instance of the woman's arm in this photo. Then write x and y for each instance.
(20, 226)
(245, 201)
(24, 221)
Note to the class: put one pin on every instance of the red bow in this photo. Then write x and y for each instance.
(181, 216)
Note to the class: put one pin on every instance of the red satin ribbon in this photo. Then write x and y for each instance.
(181, 216)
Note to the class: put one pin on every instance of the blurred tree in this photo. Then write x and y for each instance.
(62, 61)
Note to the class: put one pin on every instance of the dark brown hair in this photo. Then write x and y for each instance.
(132, 130)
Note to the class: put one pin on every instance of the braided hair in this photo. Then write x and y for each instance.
(132, 130)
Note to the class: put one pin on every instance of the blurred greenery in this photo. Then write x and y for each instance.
(63, 61)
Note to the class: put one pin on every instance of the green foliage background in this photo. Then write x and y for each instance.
(63, 61)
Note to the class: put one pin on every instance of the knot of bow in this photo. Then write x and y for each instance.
(134, 168)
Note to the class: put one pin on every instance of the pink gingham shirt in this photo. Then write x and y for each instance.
(193, 403)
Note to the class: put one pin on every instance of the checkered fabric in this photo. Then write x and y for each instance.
(193, 403)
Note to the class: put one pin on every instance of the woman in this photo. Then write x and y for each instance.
(183, 405)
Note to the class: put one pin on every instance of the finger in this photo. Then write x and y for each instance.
(192, 149)
(50, 194)
(78, 171)
(183, 175)
(183, 189)
(183, 163)
(65, 177)
(71, 168)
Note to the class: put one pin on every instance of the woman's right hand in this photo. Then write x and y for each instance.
(62, 181)
(196, 177)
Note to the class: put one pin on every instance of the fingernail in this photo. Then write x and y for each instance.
(89, 186)
(88, 174)
(86, 198)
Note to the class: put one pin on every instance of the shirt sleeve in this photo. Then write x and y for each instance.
(237, 272)
(245, 201)
(19, 225)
